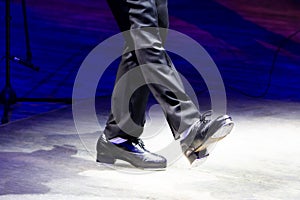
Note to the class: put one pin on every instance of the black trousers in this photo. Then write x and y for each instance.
(180, 113)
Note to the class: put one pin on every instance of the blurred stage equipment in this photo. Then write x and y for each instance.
(8, 95)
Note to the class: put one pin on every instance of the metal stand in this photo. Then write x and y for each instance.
(8, 96)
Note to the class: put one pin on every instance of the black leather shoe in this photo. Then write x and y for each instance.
(132, 152)
(204, 134)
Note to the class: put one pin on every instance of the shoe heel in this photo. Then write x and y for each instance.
(197, 155)
(192, 157)
(104, 158)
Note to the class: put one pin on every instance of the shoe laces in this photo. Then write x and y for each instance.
(203, 117)
(139, 142)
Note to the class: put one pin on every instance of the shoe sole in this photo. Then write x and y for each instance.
(109, 159)
(220, 134)
(103, 159)
(210, 141)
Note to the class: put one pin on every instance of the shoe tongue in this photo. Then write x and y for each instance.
(117, 140)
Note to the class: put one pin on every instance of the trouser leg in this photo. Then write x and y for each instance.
(181, 113)
(137, 103)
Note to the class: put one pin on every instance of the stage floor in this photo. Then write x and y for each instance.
(43, 157)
